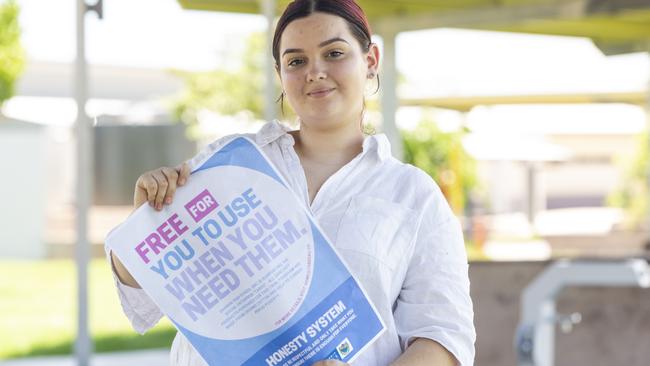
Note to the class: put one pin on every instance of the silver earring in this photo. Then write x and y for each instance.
(371, 75)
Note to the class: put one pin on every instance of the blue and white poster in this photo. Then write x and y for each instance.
(242, 269)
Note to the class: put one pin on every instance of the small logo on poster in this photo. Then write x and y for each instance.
(201, 205)
(344, 348)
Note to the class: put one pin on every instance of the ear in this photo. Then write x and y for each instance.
(372, 58)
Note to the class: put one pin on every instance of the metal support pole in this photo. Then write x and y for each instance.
(647, 126)
(270, 111)
(536, 194)
(389, 100)
(530, 192)
(83, 346)
(83, 127)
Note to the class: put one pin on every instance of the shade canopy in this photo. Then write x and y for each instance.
(616, 26)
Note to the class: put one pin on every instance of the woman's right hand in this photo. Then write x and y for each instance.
(159, 185)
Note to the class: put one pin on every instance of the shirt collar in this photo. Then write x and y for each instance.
(377, 144)
(272, 131)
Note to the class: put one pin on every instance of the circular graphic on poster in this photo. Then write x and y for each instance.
(247, 255)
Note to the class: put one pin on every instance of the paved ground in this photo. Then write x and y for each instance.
(139, 358)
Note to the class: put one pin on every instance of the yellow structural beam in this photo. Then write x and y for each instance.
(466, 103)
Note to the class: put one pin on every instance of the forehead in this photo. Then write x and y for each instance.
(313, 29)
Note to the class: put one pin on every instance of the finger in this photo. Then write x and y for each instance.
(139, 193)
(172, 176)
(162, 188)
(149, 185)
(183, 173)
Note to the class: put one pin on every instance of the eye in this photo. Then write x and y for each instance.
(295, 62)
(335, 54)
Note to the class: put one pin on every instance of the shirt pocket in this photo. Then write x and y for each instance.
(377, 228)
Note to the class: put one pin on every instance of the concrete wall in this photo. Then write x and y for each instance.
(23, 187)
(124, 152)
(615, 328)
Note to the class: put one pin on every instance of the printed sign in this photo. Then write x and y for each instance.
(242, 269)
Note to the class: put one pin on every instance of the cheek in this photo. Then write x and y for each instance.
(352, 75)
(291, 82)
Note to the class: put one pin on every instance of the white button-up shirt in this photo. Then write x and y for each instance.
(394, 229)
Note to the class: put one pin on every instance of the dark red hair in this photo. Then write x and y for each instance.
(346, 9)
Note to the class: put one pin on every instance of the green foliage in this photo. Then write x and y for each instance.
(39, 307)
(12, 56)
(442, 156)
(632, 194)
(128, 341)
(223, 91)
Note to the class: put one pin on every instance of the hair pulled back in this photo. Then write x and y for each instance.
(349, 10)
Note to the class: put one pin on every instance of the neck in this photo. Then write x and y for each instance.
(329, 146)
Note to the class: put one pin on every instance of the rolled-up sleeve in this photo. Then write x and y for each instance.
(138, 307)
(434, 301)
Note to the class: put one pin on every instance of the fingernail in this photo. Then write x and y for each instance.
(182, 181)
(168, 200)
(159, 207)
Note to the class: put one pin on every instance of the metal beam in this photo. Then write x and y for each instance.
(226, 6)
(482, 17)
(466, 103)
(607, 29)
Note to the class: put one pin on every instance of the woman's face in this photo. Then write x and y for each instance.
(324, 71)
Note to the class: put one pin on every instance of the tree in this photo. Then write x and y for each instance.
(12, 55)
(442, 156)
(223, 91)
(632, 194)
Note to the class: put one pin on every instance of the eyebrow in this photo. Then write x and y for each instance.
(322, 44)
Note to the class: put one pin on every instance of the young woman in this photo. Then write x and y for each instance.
(387, 219)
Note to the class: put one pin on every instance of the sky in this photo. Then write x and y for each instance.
(142, 33)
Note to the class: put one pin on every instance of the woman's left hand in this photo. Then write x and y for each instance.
(331, 363)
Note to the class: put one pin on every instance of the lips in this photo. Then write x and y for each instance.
(319, 93)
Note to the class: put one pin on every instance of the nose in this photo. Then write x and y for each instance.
(316, 72)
